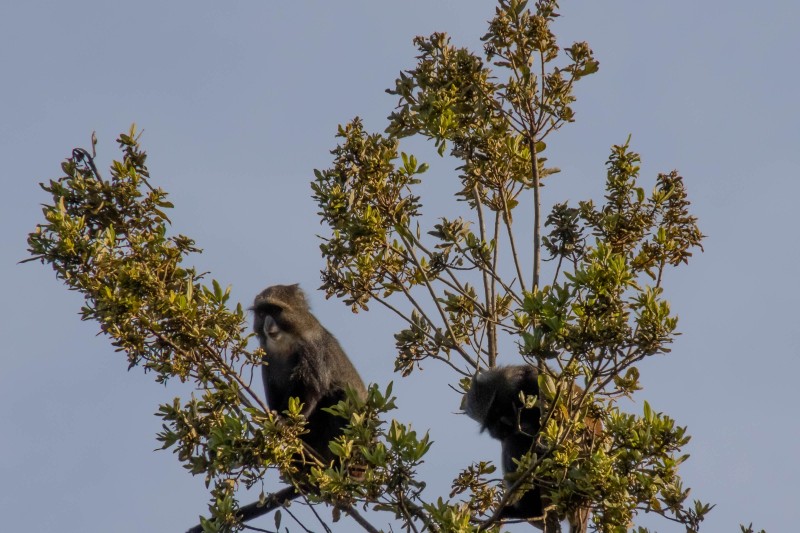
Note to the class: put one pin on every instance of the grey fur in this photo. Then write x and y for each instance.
(303, 360)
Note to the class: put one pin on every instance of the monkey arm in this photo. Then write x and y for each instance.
(311, 377)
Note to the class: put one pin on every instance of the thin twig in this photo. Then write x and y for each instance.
(537, 208)
(486, 283)
(355, 515)
(299, 523)
(316, 514)
(430, 337)
(507, 222)
(435, 300)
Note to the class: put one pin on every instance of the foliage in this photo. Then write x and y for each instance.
(601, 313)
(108, 240)
(462, 288)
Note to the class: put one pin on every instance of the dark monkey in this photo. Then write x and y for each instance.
(303, 360)
(493, 400)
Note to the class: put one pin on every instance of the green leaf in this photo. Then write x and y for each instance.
(547, 385)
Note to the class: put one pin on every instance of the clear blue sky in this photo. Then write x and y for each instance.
(240, 101)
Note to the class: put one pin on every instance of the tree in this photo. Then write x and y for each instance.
(586, 310)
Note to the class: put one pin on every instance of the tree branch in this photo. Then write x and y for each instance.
(256, 509)
(487, 286)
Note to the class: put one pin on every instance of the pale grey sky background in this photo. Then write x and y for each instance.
(240, 101)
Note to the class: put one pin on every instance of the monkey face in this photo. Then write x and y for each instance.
(282, 317)
(276, 341)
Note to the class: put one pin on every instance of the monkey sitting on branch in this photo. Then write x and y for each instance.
(494, 401)
(302, 360)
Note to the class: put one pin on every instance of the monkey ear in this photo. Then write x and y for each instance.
(301, 294)
(296, 288)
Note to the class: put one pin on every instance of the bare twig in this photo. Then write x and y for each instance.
(434, 298)
(514, 255)
(487, 286)
(430, 337)
(355, 515)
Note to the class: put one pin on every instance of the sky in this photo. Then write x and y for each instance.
(239, 102)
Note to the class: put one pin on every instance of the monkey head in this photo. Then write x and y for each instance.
(493, 400)
(282, 318)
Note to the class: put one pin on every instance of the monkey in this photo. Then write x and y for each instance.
(303, 360)
(493, 400)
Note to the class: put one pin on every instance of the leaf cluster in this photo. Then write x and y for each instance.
(109, 240)
(462, 283)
